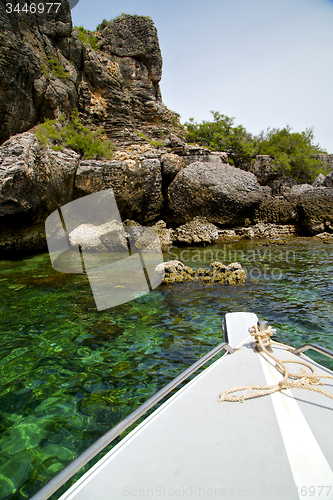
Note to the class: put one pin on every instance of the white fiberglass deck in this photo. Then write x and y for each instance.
(273, 447)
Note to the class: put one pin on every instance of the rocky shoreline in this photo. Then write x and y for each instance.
(191, 195)
(176, 272)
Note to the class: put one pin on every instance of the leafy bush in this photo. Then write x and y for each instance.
(294, 153)
(90, 144)
(221, 135)
(87, 37)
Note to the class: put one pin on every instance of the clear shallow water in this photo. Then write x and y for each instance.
(69, 373)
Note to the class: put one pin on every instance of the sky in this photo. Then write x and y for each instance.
(267, 63)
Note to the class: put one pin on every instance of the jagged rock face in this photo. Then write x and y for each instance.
(45, 70)
(120, 86)
(315, 208)
(221, 193)
(137, 185)
(33, 181)
(29, 90)
(262, 167)
(275, 209)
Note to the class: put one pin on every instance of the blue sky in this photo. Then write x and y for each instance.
(268, 63)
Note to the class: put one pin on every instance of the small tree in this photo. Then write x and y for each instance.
(222, 135)
(294, 153)
(90, 144)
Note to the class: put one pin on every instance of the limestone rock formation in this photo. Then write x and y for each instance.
(221, 193)
(176, 272)
(196, 232)
(319, 180)
(275, 209)
(262, 168)
(33, 181)
(110, 236)
(315, 208)
(137, 185)
(328, 181)
(46, 70)
(34, 49)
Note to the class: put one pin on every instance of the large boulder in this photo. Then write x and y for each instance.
(110, 236)
(33, 181)
(221, 193)
(137, 185)
(315, 207)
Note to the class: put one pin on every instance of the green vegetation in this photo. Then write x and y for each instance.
(156, 143)
(221, 135)
(54, 65)
(294, 153)
(87, 36)
(90, 144)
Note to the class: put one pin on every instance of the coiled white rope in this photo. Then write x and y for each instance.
(302, 379)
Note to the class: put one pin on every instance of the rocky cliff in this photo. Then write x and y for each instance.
(112, 76)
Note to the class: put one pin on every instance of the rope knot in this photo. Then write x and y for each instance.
(262, 338)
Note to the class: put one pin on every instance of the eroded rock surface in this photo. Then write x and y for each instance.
(137, 185)
(196, 232)
(221, 193)
(33, 181)
(46, 70)
(176, 272)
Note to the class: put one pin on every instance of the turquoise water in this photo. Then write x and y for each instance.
(69, 372)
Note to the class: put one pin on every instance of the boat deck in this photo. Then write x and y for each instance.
(276, 447)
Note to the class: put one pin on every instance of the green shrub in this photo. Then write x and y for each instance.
(87, 37)
(90, 144)
(221, 135)
(294, 153)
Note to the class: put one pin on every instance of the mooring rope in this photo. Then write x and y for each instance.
(303, 380)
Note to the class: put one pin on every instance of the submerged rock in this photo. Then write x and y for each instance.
(325, 237)
(176, 271)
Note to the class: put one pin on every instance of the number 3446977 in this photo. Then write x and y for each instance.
(33, 8)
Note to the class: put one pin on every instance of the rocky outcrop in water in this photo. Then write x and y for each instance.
(315, 207)
(176, 272)
(196, 232)
(47, 69)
